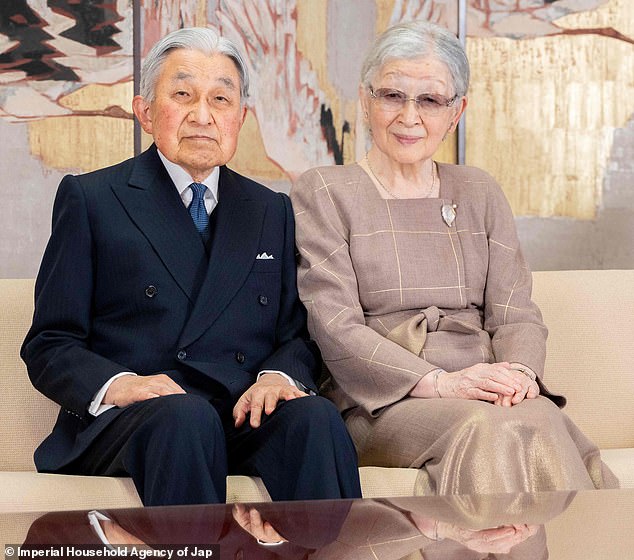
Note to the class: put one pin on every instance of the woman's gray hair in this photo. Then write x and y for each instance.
(417, 39)
(200, 39)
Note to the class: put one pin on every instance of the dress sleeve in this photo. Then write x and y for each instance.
(367, 369)
(513, 321)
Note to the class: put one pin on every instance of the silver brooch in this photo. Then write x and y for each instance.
(448, 212)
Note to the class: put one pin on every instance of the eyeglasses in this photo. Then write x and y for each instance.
(429, 104)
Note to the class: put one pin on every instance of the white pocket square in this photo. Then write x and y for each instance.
(264, 256)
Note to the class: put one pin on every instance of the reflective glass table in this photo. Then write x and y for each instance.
(592, 525)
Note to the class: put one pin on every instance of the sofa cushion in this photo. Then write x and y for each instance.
(26, 416)
(621, 462)
(30, 491)
(590, 353)
(590, 318)
(381, 482)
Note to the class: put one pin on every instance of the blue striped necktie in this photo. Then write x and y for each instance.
(197, 210)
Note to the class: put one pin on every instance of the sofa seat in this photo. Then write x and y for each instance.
(29, 491)
(621, 462)
(590, 316)
(36, 492)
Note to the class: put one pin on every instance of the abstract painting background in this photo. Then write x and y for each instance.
(550, 112)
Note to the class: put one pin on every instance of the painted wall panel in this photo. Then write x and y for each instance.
(550, 110)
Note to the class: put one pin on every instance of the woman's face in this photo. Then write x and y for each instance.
(411, 133)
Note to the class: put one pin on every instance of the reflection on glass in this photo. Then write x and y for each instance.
(447, 527)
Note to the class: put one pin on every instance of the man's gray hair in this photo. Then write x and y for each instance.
(200, 39)
(417, 39)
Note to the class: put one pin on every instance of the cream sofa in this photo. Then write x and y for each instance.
(590, 315)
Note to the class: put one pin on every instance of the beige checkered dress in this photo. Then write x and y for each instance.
(393, 292)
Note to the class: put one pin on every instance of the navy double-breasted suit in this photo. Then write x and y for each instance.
(127, 284)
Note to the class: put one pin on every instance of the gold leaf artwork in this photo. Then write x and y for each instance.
(542, 116)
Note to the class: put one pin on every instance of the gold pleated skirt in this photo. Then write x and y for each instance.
(475, 447)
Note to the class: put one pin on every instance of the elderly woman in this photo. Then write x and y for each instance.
(419, 296)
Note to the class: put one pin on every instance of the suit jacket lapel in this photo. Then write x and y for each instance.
(153, 204)
(235, 245)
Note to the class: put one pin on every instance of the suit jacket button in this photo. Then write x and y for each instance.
(181, 355)
(263, 300)
(240, 357)
(151, 291)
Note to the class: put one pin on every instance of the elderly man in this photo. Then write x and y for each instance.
(167, 323)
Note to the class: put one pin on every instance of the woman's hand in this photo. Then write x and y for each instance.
(497, 540)
(497, 383)
(530, 389)
(484, 382)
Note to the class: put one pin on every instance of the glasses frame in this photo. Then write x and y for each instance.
(418, 106)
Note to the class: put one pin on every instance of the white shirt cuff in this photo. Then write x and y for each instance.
(290, 380)
(94, 517)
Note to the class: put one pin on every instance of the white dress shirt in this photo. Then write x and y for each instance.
(182, 180)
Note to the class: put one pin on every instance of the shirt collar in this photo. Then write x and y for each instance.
(182, 179)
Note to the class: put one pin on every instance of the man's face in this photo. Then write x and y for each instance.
(196, 115)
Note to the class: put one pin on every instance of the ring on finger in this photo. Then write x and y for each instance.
(531, 375)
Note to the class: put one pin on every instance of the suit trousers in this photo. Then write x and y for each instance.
(179, 450)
